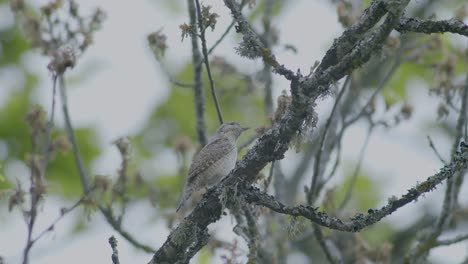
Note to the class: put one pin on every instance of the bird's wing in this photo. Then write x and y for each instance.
(208, 155)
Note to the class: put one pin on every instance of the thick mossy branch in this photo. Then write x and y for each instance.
(412, 24)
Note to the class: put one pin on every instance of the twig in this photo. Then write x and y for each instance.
(207, 63)
(37, 180)
(382, 84)
(226, 32)
(313, 186)
(50, 125)
(270, 176)
(247, 143)
(198, 88)
(323, 245)
(432, 146)
(63, 212)
(349, 191)
(448, 242)
(360, 221)
(115, 252)
(461, 129)
(451, 193)
(266, 72)
(71, 136)
(181, 84)
(83, 175)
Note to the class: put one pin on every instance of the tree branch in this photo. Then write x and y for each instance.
(361, 221)
(207, 63)
(192, 233)
(198, 87)
(87, 190)
(427, 26)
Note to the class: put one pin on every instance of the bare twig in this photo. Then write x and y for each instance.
(349, 191)
(461, 129)
(432, 146)
(360, 221)
(50, 125)
(63, 213)
(266, 72)
(451, 195)
(199, 89)
(270, 176)
(247, 142)
(313, 187)
(448, 242)
(226, 32)
(71, 136)
(207, 63)
(379, 88)
(37, 180)
(87, 190)
(323, 245)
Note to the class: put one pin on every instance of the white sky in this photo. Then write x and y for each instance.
(125, 82)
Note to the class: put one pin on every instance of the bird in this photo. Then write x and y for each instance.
(214, 161)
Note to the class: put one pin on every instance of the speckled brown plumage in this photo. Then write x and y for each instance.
(214, 161)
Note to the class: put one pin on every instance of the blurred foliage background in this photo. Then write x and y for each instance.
(435, 60)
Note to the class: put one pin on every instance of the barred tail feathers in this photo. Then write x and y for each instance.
(187, 193)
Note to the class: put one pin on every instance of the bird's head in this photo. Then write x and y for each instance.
(231, 129)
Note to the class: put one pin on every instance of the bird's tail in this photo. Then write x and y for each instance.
(185, 196)
(181, 204)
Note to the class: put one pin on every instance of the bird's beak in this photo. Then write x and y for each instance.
(245, 128)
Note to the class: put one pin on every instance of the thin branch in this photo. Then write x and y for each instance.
(427, 26)
(451, 193)
(117, 227)
(461, 129)
(360, 221)
(270, 176)
(432, 146)
(379, 88)
(37, 180)
(199, 89)
(226, 32)
(87, 190)
(266, 72)
(313, 186)
(323, 245)
(207, 63)
(63, 213)
(71, 136)
(247, 142)
(273, 143)
(349, 191)
(448, 242)
(50, 125)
